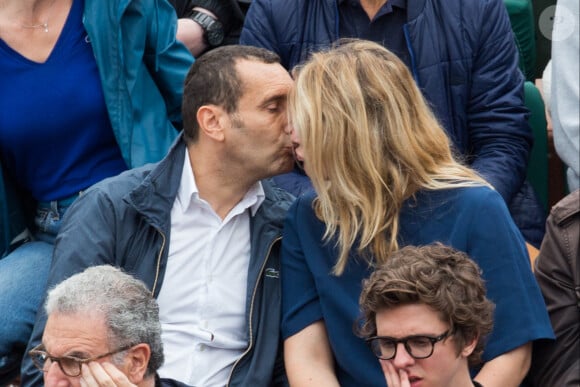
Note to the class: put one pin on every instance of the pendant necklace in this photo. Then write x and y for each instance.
(36, 26)
(44, 25)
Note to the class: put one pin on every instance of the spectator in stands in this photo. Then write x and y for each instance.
(89, 88)
(426, 316)
(385, 177)
(462, 56)
(207, 24)
(200, 228)
(557, 363)
(562, 89)
(103, 329)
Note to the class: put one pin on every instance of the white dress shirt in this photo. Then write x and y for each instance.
(202, 301)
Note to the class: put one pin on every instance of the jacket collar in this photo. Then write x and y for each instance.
(154, 197)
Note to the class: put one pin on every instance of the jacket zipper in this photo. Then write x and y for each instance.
(251, 344)
(158, 261)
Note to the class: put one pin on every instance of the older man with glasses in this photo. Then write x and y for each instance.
(102, 330)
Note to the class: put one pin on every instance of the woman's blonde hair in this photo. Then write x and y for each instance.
(370, 142)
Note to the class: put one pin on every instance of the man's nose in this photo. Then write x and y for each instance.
(402, 359)
(54, 377)
(288, 129)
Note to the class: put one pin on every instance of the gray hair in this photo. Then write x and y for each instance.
(130, 311)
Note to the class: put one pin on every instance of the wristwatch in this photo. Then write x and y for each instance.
(213, 29)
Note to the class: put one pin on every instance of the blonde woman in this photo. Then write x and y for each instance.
(385, 177)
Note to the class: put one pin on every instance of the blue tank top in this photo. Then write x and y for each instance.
(55, 135)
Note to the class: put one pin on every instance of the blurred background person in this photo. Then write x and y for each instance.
(426, 316)
(561, 88)
(557, 363)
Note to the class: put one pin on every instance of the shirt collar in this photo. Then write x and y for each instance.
(187, 191)
(254, 198)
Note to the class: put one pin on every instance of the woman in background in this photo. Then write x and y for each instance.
(88, 89)
(385, 177)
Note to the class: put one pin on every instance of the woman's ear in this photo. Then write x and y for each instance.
(136, 362)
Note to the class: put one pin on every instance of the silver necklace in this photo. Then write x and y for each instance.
(44, 25)
(36, 26)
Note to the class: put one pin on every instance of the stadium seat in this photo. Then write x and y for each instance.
(521, 16)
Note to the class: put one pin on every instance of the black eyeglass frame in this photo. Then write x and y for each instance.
(405, 342)
(38, 351)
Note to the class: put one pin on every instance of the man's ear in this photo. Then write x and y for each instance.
(212, 120)
(469, 347)
(136, 362)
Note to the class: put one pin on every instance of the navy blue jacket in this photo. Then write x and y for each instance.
(125, 221)
(465, 61)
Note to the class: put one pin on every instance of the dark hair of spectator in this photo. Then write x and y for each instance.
(213, 80)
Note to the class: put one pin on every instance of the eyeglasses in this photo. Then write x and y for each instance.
(69, 365)
(419, 347)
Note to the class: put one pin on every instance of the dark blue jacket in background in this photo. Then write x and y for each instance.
(465, 61)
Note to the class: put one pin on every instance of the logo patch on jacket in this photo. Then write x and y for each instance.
(271, 273)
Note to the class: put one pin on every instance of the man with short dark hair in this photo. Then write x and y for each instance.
(202, 228)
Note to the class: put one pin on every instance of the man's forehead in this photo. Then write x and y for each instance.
(79, 331)
(255, 71)
(263, 80)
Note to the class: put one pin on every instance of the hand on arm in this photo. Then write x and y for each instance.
(507, 370)
(191, 33)
(308, 358)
